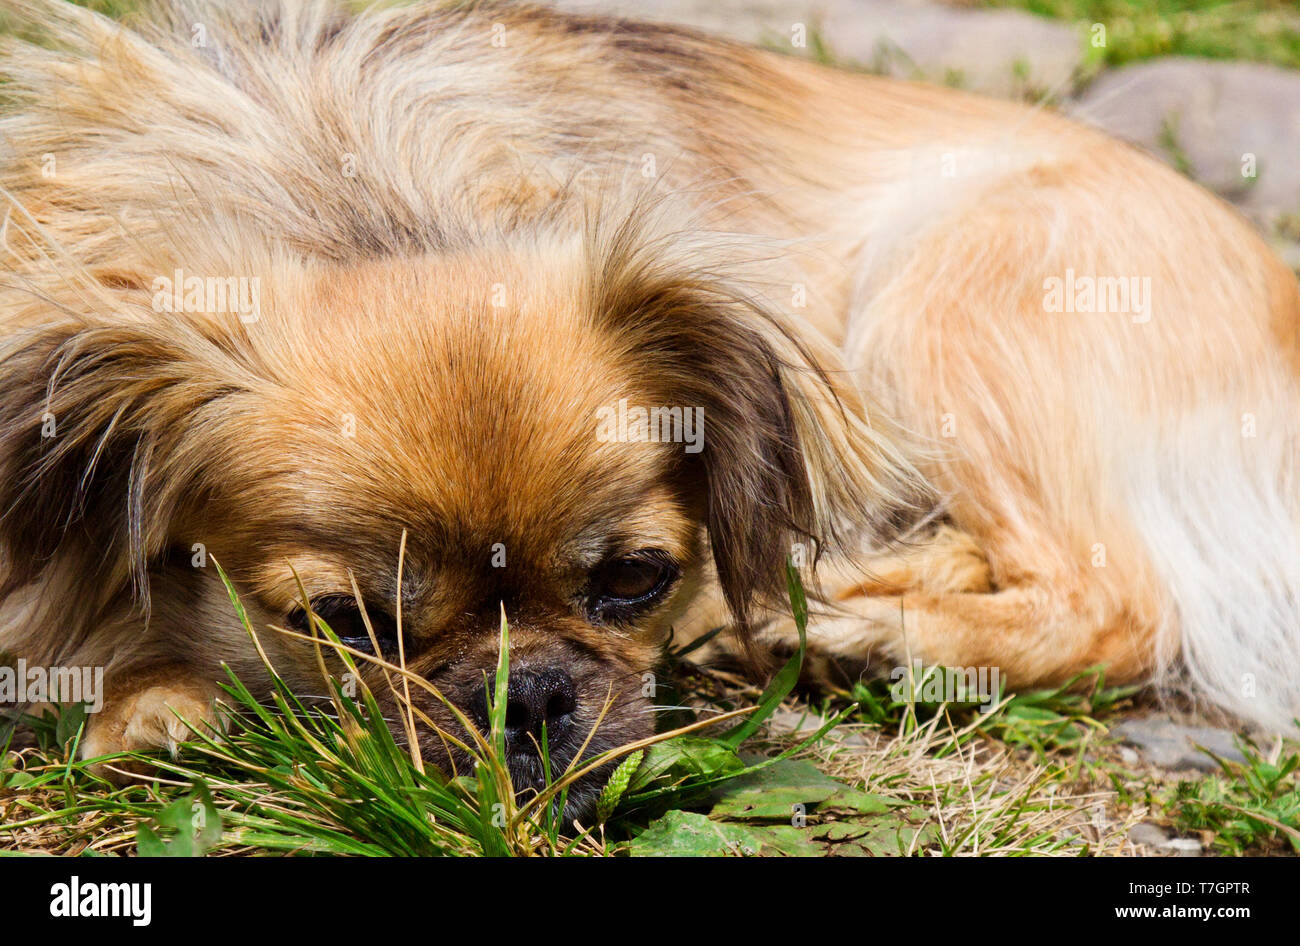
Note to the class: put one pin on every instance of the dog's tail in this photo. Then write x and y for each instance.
(1218, 502)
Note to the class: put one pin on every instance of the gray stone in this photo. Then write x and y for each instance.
(805, 724)
(1169, 745)
(1158, 840)
(792, 722)
(1149, 835)
(1290, 253)
(1001, 52)
(1211, 115)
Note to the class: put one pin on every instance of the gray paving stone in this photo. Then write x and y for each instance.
(805, 724)
(1149, 835)
(1002, 52)
(1215, 114)
(1170, 745)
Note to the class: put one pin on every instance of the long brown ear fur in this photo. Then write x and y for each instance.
(791, 454)
(101, 431)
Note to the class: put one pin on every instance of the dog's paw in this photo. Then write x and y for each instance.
(150, 718)
(950, 562)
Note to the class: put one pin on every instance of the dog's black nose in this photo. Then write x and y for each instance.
(535, 698)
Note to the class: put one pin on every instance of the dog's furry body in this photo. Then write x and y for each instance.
(848, 273)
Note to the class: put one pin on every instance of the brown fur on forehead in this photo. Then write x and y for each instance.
(417, 400)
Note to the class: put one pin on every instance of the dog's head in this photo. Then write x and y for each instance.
(578, 432)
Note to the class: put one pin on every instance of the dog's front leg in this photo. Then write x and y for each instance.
(146, 710)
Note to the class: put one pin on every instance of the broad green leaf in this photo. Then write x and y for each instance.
(789, 788)
(682, 758)
(686, 834)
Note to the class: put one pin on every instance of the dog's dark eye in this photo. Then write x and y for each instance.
(621, 584)
(343, 616)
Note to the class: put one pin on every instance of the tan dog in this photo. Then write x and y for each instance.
(285, 284)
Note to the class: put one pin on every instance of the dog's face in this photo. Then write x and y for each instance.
(478, 434)
(440, 437)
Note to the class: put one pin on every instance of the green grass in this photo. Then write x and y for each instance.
(295, 777)
(118, 9)
(1041, 721)
(329, 778)
(1256, 30)
(1250, 805)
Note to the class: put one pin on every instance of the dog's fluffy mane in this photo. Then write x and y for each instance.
(217, 143)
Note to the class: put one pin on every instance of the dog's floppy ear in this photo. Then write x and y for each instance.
(97, 447)
(790, 452)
